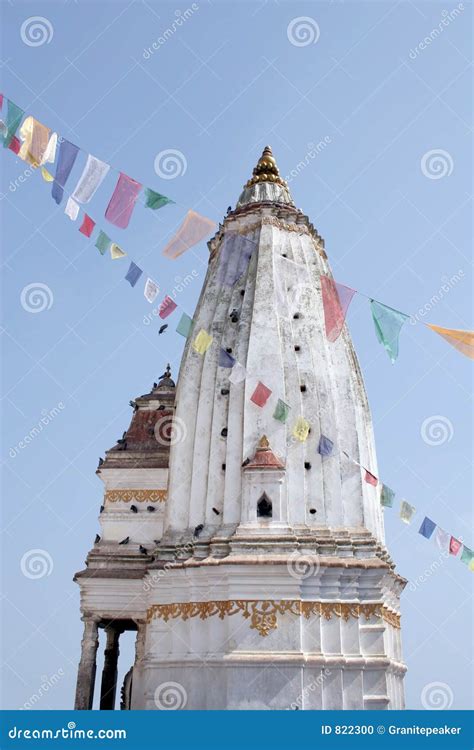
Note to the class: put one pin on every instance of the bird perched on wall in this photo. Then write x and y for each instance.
(143, 549)
(134, 509)
(101, 461)
(217, 512)
(97, 539)
(198, 529)
(101, 509)
(125, 541)
(162, 329)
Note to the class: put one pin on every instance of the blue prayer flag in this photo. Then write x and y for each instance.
(427, 527)
(67, 156)
(325, 446)
(225, 359)
(133, 274)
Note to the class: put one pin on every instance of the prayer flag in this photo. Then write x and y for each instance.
(72, 209)
(103, 243)
(281, 411)
(116, 252)
(261, 394)
(15, 145)
(237, 374)
(14, 115)
(442, 538)
(225, 359)
(92, 175)
(463, 341)
(388, 323)
(193, 229)
(202, 342)
(47, 177)
(50, 152)
(467, 555)
(167, 307)
(133, 273)
(325, 446)
(87, 226)
(407, 511)
(371, 478)
(35, 137)
(234, 256)
(185, 325)
(155, 200)
(67, 156)
(301, 429)
(454, 546)
(151, 290)
(427, 527)
(336, 300)
(291, 282)
(123, 201)
(386, 497)
(1, 101)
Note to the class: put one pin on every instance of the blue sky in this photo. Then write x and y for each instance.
(227, 81)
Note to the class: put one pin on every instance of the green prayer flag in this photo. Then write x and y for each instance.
(386, 497)
(155, 200)
(466, 555)
(281, 411)
(388, 323)
(185, 325)
(14, 116)
(103, 243)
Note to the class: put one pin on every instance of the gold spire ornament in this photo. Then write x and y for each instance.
(266, 170)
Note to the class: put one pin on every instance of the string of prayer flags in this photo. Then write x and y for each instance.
(116, 252)
(463, 341)
(122, 202)
(67, 156)
(47, 177)
(14, 117)
(442, 539)
(386, 497)
(151, 290)
(15, 145)
(301, 429)
(371, 478)
(133, 274)
(167, 307)
(92, 176)
(427, 527)
(388, 324)
(87, 226)
(336, 300)
(325, 446)
(35, 137)
(202, 342)
(281, 412)
(225, 359)
(155, 200)
(72, 209)
(261, 394)
(193, 229)
(407, 511)
(454, 546)
(237, 374)
(234, 257)
(467, 556)
(185, 325)
(103, 243)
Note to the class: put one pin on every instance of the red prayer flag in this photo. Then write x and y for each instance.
(167, 307)
(371, 478)
(336, 301)
(261, 394)
(87, 226)
(1, 101)
(15, 145)
(454, 546)
(123, 201)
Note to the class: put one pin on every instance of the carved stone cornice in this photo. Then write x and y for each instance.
(138, 496)
(263, 613)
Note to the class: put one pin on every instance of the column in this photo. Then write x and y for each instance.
(109, 673)
(138, 695)
(87, 664)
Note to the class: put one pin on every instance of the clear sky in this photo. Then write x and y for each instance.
(395, 218)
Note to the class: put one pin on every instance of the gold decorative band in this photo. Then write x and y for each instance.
(263, 614)
(138, 496)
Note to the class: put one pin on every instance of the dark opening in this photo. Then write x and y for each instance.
(307, 465)
(296, 316)
(312, 511)
(302, 388)
(264, 507)
(297, 348)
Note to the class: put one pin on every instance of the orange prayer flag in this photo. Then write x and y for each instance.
(463, 341)
(193, 229)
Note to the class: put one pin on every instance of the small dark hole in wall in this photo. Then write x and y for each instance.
(303, 388)
(223, 467)
(264, 508)
(296, 316)
(284, 255)
(307, 465)
(224, 391)
(229, 350)
(297, 348)
(242, 292)
(312, 511)
(224, 432)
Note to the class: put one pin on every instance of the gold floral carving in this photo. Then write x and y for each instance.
(263, 614)
(138, 496)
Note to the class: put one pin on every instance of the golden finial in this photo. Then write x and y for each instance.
(263, 442)
(266, 170)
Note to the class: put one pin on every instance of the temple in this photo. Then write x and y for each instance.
(252, 567)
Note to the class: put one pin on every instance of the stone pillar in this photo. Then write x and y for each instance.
(109, 673)
(138, 696)
(87, 664)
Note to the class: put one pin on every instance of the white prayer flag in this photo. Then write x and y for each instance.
(72, 209)
(50, 152)
(442, 539)
(237, 374)
(151, 290)
(93, 174)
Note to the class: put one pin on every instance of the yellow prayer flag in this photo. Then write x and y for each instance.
(47, 177)
(35, 137)
(116, 252)
(202, 342)
(301, 429)
(463, 341)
